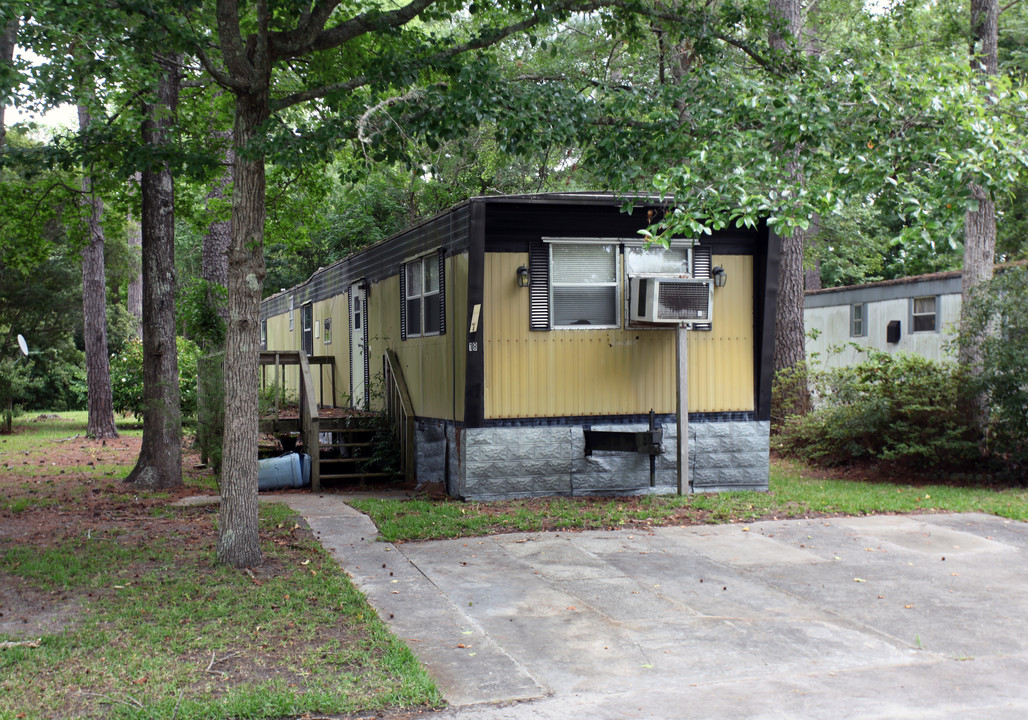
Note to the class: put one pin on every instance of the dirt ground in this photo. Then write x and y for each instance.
(45, 496)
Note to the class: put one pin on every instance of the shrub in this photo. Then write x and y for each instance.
(127, 377)
(899, 408)
(999, 311)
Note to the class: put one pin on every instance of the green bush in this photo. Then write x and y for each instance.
(1000, 312)
(127, 377)
(899, 408)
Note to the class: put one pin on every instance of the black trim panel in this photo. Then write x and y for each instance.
(590, 420)
(474, 373)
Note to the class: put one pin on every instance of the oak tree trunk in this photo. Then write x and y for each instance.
(100, 424)
(135, 287)
(238, 543)
(783, 35)
(7, 41)
(214, 266)
(160, 457)
(134, 233)
(980, 223)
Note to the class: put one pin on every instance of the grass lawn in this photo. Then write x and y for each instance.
(111, 605)
(795, 492)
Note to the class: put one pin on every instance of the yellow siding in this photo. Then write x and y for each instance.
(430, 364)
(337, 309)
(609, 372)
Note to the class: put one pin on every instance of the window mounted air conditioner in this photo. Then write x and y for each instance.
(670, 299)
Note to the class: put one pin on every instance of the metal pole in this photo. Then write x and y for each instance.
(682, 407)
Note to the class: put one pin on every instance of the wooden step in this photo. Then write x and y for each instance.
(351, 476)
(346, 444)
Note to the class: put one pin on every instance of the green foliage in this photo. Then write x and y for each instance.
(127, 377)
(273, 396)
(999, 312)
(198, 316)
(897, 408)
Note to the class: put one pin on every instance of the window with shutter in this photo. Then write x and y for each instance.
(422, 297)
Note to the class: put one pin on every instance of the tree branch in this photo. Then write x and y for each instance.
(242, 74)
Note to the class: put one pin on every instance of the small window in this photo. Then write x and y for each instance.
(923, 315)
(264, 334)
(583, 285)
(326, 331)
(858, 320)
(423, 296)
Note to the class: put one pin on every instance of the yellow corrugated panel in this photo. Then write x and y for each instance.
(608, 372)
(430, 364)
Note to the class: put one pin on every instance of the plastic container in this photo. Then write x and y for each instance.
(291, 470)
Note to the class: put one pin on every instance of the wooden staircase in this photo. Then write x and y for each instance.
(362, 444)
(355, 451)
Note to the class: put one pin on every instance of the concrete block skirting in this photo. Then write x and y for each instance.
(510, 462)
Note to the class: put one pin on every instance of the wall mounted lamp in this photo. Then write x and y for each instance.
(720, 276)
(524, 279)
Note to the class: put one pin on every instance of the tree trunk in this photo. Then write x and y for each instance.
(979, 224)
(7, 42)
(94, 313)
(214, 267)
(135, 287)
(785, 30)
(160, 456)
(238, 542)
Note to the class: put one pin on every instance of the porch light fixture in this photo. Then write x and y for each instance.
(523, 277)
(720, 276)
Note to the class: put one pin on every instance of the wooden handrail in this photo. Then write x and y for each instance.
(309, 415)
(401, 412)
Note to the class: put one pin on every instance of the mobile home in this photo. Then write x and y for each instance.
(536, 337)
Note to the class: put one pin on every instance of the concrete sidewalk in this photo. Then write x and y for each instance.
(877, 617)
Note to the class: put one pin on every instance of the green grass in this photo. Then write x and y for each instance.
(794, 493)
(161, 623)
(30, 434)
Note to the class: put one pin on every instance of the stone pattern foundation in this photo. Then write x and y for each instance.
(511, 462)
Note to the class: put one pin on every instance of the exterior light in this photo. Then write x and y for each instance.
(524, 279)
(720, 277)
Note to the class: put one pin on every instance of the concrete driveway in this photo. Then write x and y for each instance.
(877, 617)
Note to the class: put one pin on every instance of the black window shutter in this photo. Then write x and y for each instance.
(539, 286)
(367, 348)
(702, 266)
(442, 291)
(403, 302)
(349, 336)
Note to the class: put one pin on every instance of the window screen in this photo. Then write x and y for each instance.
(583, 285)
(923, 315)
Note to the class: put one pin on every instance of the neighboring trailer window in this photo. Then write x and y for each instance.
(423, 286)
(858, 320)
(923, 314)
(327, 331)
(290, 314)
(264, 334)
(583, 285)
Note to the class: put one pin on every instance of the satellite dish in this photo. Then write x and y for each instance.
(22, 345)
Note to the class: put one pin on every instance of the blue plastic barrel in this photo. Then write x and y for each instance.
(291, 470)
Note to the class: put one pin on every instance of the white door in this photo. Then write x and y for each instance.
(358, 335)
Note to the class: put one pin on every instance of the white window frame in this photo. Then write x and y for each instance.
(291, 315)
(326, 331)
(934, 314)
(421, 265)
(862, 308)
(616, 283)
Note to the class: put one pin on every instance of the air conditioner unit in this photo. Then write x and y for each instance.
(670, 299)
